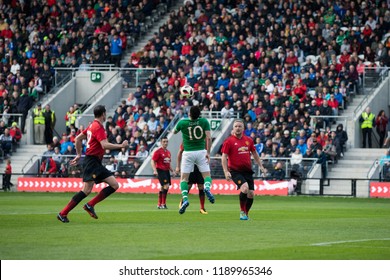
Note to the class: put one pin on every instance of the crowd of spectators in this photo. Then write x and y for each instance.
(282, 65)
(38, 37)
(288, 68)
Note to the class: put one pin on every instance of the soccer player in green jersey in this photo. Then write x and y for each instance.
(196, 136)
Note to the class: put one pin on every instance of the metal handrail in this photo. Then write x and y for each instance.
(39, 157)
(287, 166)
(372, 168)
(13, 115)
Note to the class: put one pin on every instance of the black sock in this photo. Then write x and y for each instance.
(108, 190)
(243, 198)
(249, 202)
(79, 196)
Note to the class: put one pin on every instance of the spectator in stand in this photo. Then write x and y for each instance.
(48, 167)
(56, 142)
(116, 50)
(142, 153)
(72, 136)
(38, 86)
(16, 135)
(57, 157)
(70, 119)
(50, 122)
(381, 123)
(24, 105)
(47, 77)
(6, 141)
(65, 143)
(321, 159)
(278, 172)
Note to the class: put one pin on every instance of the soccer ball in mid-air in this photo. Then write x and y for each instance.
(187, 91)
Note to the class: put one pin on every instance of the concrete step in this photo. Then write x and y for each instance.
(356, 164)
(349, 173)
(363, 154)
(23, 154)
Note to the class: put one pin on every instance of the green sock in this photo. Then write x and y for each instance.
(207, 182)
(184, 190)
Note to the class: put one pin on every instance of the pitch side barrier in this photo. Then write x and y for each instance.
(303, 179)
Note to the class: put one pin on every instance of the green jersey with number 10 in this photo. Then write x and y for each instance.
(194, 133)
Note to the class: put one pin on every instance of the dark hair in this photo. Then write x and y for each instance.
(194, 112)
(99, 110)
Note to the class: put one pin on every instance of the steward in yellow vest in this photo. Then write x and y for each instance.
(367, 122)
(39, 124)
(39, 118)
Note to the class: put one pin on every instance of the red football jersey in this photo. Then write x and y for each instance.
(95, 133)
(239, 153)
(8, 169)
(162, 158)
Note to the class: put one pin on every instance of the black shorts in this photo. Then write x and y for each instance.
(94, 170)
(164, 177)
(240, 178)
(195, 177)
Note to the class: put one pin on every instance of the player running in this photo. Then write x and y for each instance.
(161, 164)
(196, 136)
(94, 171)
(237, 165)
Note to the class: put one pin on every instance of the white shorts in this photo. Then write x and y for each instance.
(194, 157)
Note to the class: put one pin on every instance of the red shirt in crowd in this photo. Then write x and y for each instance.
(50, 167)
(95, 133)
(239, 152)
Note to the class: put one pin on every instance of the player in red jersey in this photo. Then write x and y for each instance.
(94, 171)
(194, 178)
(161, 164)
(237, 165)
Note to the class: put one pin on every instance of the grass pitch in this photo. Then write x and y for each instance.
(131, 228)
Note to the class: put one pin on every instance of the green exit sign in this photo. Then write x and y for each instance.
(96, 77)
(215, 124)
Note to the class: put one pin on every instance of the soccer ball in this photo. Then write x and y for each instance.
(187, 91)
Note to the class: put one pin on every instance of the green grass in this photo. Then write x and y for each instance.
(131, 228)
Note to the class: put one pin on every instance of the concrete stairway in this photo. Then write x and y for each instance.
(20, 158)
(149, 33)
(355, 165)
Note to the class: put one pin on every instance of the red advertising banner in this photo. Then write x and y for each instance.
(32, 184)
(380, 189)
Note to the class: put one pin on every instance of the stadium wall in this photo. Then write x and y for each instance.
(85, 88)
(110, 97)
(378, 100)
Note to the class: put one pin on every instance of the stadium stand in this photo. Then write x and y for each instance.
(284, 67)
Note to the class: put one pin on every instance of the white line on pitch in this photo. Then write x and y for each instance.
(348, 241)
